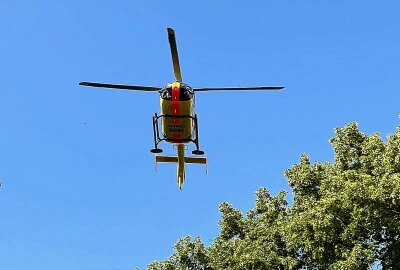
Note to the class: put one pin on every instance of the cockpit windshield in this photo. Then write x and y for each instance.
(186, 92)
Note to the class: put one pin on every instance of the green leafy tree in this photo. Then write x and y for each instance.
(188, 254)
(344, 215)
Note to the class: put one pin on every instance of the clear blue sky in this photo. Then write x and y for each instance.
(79, 189)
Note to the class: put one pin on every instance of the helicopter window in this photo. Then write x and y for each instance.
(186, 93)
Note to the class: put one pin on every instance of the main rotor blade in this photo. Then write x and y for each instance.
(174, 54)
(121, 86)
(239, 88)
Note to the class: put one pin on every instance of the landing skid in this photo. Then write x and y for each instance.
(197, 152)
(158, 138)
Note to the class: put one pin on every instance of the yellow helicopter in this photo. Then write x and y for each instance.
(178, 119)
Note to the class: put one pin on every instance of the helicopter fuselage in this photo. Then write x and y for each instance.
(179, 126)
(177, 111)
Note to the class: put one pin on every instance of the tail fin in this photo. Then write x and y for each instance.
(189, 160)
(180, 170)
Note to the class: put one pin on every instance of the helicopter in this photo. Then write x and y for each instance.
(178, 120)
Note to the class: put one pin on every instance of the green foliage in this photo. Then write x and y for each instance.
(344, 215)
(188, 255)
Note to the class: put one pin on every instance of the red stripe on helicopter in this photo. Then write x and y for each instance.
(176, 107)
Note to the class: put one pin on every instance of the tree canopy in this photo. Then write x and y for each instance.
(344, 215)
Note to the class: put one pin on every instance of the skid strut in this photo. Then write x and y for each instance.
(158, 138)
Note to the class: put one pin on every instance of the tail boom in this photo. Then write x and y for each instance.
(181, 160)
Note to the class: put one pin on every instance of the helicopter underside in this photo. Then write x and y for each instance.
(178, 120)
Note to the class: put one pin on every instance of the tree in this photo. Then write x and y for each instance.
(189, 254)
(344, 215)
